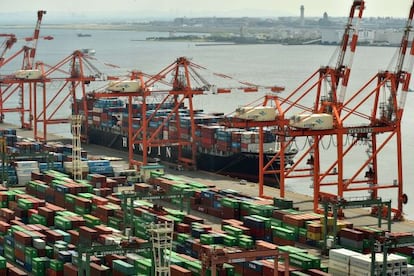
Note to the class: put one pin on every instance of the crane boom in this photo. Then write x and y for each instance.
(404, 76)
(6, 45)
(29, 61)
(343, 71)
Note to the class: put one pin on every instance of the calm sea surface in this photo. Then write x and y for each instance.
(266, 65)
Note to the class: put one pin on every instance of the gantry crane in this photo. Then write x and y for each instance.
(186, 82)
(347, 125)
(211, 258)
(330, 85)
(62, 84)
(25, 79)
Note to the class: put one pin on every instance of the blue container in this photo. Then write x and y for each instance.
(93, 163)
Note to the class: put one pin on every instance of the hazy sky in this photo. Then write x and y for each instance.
(173, 8)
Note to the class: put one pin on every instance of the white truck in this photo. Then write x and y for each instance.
(312, 121)
(258, 113)
(124, 86)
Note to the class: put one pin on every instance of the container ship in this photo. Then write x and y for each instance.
(227, 151)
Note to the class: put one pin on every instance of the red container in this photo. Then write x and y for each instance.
(179, 271)
(15, 271)
(70, 270)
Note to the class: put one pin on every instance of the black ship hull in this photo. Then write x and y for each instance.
(238, 165)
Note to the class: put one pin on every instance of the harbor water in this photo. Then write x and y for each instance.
(266, 65)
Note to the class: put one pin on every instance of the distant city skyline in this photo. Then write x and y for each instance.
(190, 8)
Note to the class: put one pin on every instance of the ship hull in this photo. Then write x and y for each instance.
(238, 165)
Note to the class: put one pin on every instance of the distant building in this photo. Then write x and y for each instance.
(331, 36)
(388, 37)
(302, 15)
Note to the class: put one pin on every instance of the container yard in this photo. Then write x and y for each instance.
(210, 219)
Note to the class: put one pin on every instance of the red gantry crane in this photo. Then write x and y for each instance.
(24, 80)
(186, 82)
(329, 84)
(339, 133)
(63, 83)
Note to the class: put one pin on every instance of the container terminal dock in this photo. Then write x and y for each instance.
(205, 232)
(69, 208)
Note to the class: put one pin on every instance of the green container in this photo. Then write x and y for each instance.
(282, 203)
(276, 222)
(4, 204)
(284, 233)
(231, 230)
(316, 261)
(179, 188)
(3, 262)
(230, 271)
(174, 218)
(246, 243)
(123, 267)
(176, 213)
(37, 219)
(266, 220)
(69, 198)
(86, 195)
(9, 252)
(229, 240)
(62, 223)
(146, 253)
(230, 202)
(39, 264)
(91, 221)
(82, 211)
(143, 266)
(38, 271)
(56, 265)
(42, 188)
(66, 235)
(30, 252)
(295, 229)
(32, 184)
(300, 261)
(206, 239)
(194, 267)
(245, 206)
(177, 201)
(298, 273)
(291, 249)
(262, 210)
(114, 222)
(149, 217)
(66, 214)
(24, 204)
(49, 251)
(303, 232)
(197, 185)
(182, 237)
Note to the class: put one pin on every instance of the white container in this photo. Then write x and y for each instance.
(338, 266)
(124, 86)
(26, 164)
(39, 244)
(342, 255)
(23, 179)
(312, 121)
(26, 171)
(28, 74)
